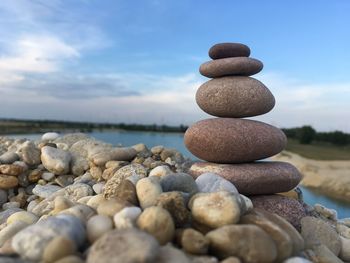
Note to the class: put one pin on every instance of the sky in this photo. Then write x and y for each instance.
(137, 61)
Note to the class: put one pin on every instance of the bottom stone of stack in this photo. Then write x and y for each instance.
(253, 178)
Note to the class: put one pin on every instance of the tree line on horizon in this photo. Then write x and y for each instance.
(305, 134)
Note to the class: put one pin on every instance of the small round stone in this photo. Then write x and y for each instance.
(161, 170)
(282, 240)
(225, 50)
(175, 204)
(215, 209)
(126, 218)
(127, 246)
(98, 225)
(234, 97)
(8, 181)
(157, 222)
(316, 231)
(148, 189)
(127, 191)
(55, 160)
(59, 247)
(194, 242)
(296, 238)
(23, 216)
(111, 187)
(247, 242)
(50, 136)
(211, 182)
(181, 182)
(235, 66)
(111, 206)
(228, 140)
(11, 169)
(81, 211)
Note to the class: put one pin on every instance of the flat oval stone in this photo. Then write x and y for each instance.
(231, 67)
(253, 178)
(226, 50)
(234, 97)
(226, 140)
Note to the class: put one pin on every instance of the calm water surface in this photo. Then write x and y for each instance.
(175, 140)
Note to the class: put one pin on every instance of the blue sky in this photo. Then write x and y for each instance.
(137, 61)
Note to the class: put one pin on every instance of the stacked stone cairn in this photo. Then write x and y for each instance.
(230, 144)
(74, 199)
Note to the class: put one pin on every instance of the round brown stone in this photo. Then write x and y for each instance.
(226, 50)
(226, 140)
(253, 178)
(234, 97)
(8, 181)
(288, 208)
(231, 67)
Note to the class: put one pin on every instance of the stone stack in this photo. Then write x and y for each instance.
(231, 145)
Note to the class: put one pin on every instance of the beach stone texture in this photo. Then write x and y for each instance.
(253, 178)
(234, 97)
(236, 66)
(296, 238)
(31, 242)
(225, 50)
(226, 140)
(211, 182)
(247, 242)
(127, 246)
(282, 240)
(317, 232)
(287, 208)
(55, 160)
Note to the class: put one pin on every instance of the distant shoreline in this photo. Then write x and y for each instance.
(20, 126)
(330, 178)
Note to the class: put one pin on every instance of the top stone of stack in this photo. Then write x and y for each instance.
(228, 50)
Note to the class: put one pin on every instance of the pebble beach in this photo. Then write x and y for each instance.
(72, 198)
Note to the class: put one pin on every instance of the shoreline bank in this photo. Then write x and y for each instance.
(331, 178)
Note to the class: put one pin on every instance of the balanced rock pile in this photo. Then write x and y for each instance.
(232, 145)
(75, 199)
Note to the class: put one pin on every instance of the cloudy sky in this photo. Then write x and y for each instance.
(137, 61)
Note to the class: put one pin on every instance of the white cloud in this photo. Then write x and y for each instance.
(37, 54)
(171, 100)
(43, 36)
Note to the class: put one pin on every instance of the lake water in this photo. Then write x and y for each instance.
(175, 140)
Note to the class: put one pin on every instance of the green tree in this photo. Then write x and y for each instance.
(306, 134)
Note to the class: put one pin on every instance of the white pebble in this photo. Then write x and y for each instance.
(160, 171)
(50, 136)
(98, 188)
(126, 218)
(47, 176)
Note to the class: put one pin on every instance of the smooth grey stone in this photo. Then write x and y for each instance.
(9, 157)
(6, 213)
(181, 182)
(31, 241)
(45, 191)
